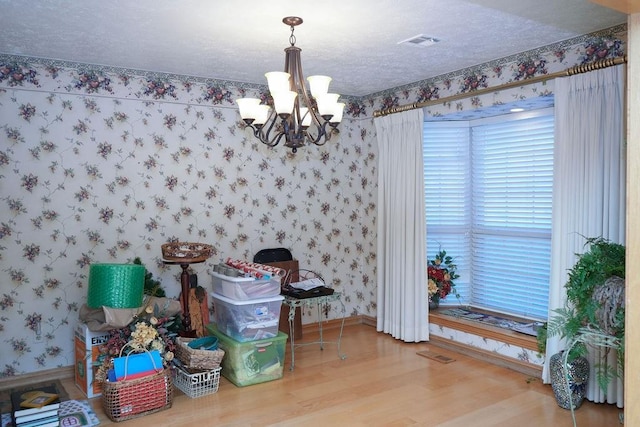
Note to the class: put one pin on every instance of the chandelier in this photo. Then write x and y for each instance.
(298, 117)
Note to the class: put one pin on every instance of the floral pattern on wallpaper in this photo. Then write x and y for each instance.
(486, 344)
(104, 165)
(98, 168)
(605, 44)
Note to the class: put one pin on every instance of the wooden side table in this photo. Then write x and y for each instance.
(185, 285)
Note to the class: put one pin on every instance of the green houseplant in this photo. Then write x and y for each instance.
(595, 303)
(152, 286)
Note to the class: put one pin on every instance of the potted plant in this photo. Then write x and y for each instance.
(594, 306)
(441, 272)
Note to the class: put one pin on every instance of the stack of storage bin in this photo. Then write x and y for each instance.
(247, 314)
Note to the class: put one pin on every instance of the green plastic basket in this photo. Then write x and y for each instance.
(116, 285)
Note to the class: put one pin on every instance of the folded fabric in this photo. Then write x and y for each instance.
(107, 318)
(95, 318)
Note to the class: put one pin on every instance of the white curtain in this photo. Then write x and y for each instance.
(589, 187)
(401, 258)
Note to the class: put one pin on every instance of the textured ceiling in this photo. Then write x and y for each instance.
(354, 41)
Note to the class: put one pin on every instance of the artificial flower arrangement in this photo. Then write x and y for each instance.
(441, 271)
(151, 329)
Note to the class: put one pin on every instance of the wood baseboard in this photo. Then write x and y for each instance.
(369, 321)
(62, 373)
(309, 328)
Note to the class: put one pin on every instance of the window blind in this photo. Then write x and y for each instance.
(512, 163)
(488, 193)
(447, 194)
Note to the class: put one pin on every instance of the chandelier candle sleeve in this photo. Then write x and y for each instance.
(327, 104)
(337, 113)
(319, 85)
(284, 102)
(278, 81)
(248, 107)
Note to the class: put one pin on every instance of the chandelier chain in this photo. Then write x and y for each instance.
(292, 37)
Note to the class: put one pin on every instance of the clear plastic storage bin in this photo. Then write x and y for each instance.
(247, 320)
(244, 288)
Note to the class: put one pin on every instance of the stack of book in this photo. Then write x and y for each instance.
(37, 408)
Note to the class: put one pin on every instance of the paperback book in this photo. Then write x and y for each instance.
(77, 413)
(35, 407)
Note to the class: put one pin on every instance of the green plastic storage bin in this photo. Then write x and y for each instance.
(253, 362)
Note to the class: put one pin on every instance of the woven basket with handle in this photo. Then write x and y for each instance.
(132, 398)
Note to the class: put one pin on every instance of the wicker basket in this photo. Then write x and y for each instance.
(197, 359)
(115, 285)
(126, 399)
(186, 252)
(198, 384)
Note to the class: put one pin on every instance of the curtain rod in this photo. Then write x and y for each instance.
(578, 69)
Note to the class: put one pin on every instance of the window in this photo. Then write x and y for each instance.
(488, 190)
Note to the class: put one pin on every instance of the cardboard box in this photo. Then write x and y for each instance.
(87, 350)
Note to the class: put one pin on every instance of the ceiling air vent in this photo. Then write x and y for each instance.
(420, 40)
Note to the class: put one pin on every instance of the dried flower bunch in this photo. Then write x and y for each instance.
(441, 271)
(149, 330)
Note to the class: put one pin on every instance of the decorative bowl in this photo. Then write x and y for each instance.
(186, 252)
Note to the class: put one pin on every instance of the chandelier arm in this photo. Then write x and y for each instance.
(257, 132)
(322, 132)
(272, 120)
(264, 136)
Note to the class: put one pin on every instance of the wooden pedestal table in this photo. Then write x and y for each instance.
(319, 302)
(185, 285)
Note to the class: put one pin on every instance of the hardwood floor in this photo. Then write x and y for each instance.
(383, 382)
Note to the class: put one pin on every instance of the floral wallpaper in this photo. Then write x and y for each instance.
(546, 60)
(99, 164)
(97, 167)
